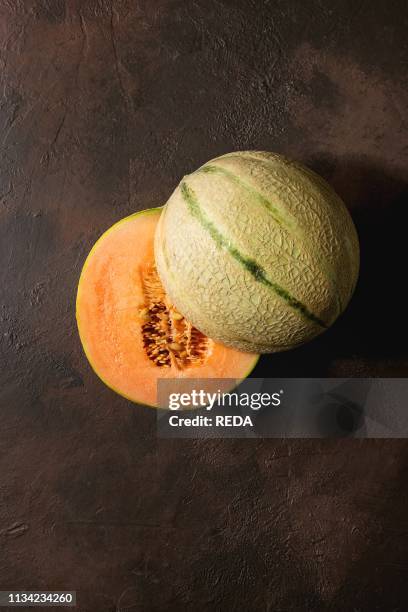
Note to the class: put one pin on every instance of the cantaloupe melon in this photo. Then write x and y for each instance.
(257, 251)
(130, 331)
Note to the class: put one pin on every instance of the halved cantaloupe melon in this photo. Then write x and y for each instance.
(131, 334)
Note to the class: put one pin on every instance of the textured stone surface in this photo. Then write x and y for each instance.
(104, 106)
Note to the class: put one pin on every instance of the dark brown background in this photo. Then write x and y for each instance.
(104, 106)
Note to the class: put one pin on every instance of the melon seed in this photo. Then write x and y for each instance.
(157, 341)
(175, 346)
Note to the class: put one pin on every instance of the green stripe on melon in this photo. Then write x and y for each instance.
(282, 217)
(257, 251)
(248, 264)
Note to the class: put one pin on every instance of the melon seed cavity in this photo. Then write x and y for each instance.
(168, 339)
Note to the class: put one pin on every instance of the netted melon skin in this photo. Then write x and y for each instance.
(257, 251)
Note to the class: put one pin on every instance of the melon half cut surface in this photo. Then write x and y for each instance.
(131, 334)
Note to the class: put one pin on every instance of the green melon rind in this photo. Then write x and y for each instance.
(349, 236)
(255, 269)
(180, 294)
(282, 217)
(186, 261)
(238, 215)
(166, 271)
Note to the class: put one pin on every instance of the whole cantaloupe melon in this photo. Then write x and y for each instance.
(257, 251)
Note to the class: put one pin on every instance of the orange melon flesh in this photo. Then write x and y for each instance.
(111, 316)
